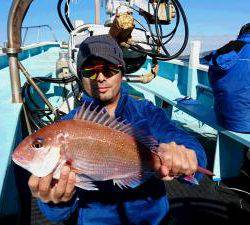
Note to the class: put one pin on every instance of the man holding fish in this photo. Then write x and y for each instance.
(115, 149)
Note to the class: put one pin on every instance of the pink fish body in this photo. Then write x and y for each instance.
(96, 146)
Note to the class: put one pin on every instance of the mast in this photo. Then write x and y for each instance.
(97, 11)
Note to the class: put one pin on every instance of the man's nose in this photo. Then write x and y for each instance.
(100, 77)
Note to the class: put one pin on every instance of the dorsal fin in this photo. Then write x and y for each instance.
(101, 117)
(139, 130)
(80, 112)
(87, 112)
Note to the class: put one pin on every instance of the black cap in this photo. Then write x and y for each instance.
(245, 29)
(103, 46)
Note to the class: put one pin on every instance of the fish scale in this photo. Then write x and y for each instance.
(113, 160)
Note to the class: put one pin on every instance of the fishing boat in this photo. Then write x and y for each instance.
(38, 85)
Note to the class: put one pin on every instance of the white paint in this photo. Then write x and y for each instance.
(194, 60)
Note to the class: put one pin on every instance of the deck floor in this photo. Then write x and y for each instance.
(210, 202)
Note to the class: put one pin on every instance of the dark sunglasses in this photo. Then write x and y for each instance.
(91, 72)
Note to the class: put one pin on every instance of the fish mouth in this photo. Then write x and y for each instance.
(22, 163)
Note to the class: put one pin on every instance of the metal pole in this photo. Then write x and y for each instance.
(27, 119)
(24, 37)
(15, 79)
(194, 61)
(38, 35)
(39, 91)
(97, 11)
(16, 15)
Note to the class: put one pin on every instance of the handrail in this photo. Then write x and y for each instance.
(38, 27)
(180, 62)
(16, 15)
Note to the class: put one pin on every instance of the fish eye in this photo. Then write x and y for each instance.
(38, 143)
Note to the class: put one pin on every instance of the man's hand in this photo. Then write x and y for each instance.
(174, 160)
(62, 191)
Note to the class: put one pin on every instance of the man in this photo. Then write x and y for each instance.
(100, 66)
(229, 69)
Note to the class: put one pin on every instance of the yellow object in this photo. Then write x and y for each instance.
(122, 27)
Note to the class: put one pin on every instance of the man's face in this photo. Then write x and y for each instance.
(104, 84)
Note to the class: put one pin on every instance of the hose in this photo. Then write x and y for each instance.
(59, 11)
(177, 6)
(66, 9)
(34, 112)
(158, 37)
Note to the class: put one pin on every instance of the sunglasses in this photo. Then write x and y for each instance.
(91, 72)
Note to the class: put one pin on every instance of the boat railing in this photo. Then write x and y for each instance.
(179, 62)
(193, 59)
(26, 30)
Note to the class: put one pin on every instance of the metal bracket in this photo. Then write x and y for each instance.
(11, 50)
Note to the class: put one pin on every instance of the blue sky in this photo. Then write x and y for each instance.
(209, 19)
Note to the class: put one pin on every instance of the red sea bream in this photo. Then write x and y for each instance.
(96, 146)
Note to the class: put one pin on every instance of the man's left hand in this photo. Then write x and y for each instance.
(174, 160)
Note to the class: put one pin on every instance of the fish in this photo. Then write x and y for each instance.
(96, 146)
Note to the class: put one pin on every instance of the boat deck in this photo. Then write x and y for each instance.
(208, 203)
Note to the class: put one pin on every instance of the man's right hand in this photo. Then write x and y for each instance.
(62, 191)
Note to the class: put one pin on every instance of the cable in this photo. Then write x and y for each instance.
(245, 173)
(66, 13)
(178, 8)
(235, 189)
(34, 111)
(176, 23)
(59, 11)
(158, 37)
(57, 80)
(143, 28)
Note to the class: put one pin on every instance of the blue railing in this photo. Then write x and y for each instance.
(27, 52)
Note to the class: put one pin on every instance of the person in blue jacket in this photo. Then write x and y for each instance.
(229, 69)
(100, 66)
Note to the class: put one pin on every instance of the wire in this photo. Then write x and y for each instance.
(59, 11)
(143, 28)
(57, 80)
(178, 8)
(66, 13)
(176, 23)
(245, 173)
(235, 189)
(34, 111)
(158, 37)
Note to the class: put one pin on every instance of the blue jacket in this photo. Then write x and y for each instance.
(146, 204)
(229, 75)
